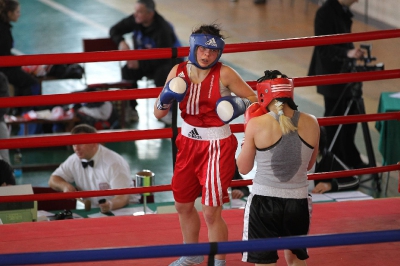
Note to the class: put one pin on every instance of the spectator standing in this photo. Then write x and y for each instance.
(149, 30)
(94, 167)
(335, 17)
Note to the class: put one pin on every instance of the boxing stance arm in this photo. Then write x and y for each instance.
(254, 110)
(231, 107)
(245, 160)
(175, 89)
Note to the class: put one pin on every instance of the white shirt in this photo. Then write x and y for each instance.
(110, 171)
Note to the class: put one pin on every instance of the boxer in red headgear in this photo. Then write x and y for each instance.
(284, 143)
(273, 85)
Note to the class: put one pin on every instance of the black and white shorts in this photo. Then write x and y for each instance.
(273, 217)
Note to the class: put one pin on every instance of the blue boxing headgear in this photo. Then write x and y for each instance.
(208, 41)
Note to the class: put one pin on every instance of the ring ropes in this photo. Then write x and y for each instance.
(189, 249)
(327, 240)
(131, 135)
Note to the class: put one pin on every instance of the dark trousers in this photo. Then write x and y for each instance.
(344, 146)
(159, 76)
(24, 84)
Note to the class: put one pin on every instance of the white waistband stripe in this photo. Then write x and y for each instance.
(205, 133)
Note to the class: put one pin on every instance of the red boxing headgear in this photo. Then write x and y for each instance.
(270, 89)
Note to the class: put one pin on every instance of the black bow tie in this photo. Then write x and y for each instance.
(85, 164)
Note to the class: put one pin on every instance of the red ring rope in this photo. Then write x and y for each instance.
(129, 135)
(128, 94)
(161, 188)
(67, 58)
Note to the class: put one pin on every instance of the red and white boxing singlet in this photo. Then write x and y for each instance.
(205, 161)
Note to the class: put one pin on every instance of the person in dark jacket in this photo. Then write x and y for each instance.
(150, 30)
(24, 83)
(335, 17)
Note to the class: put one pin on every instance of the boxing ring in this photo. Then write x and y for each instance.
(104, 240)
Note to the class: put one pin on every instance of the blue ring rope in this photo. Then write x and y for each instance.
(200, 248)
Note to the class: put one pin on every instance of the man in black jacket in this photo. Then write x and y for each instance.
(150, 30)
(335, 17)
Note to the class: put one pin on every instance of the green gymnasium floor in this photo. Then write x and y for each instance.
(58, 26)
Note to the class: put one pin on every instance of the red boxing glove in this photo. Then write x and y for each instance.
(254, 110)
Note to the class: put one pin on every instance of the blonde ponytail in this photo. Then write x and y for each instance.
(285, 122)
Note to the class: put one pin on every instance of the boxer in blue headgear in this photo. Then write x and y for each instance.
(208, 41)
(205, 162)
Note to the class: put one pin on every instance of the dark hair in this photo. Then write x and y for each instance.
(83, 128)
(212, 29)
(150, 5)
(7, 6)
(273, 74)
(6, 173)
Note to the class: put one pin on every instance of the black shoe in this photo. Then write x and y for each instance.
(361, 165)
(66, 214)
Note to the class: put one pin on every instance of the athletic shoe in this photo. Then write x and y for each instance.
(187, 261)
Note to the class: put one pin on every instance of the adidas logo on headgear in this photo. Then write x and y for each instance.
(211, 42)
(182, 75)
(194, 134)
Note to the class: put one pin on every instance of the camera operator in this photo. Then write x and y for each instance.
(335, 17)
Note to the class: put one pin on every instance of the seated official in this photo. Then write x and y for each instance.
(6, 174)
(94, 167)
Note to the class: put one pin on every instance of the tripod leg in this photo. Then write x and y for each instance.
(340, 126)
(368, 144)
(333, 111)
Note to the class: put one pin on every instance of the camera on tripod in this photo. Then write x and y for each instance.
(367, 60)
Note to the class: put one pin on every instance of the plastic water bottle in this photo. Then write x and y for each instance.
(18, 164)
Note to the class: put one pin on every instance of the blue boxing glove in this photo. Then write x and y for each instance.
(230, 107)
(175, 89)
